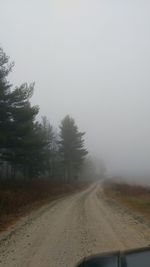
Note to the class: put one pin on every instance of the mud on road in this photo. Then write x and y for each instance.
(65, 231)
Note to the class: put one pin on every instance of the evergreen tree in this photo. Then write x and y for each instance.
(17, 118)
(22, 128)
(5, 114)
(71, 148)
(50, 148)
(38, 150)
(46, 140)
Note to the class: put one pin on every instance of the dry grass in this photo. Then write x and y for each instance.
(18, 198)
(135, 197)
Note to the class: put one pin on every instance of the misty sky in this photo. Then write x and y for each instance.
(89, 59)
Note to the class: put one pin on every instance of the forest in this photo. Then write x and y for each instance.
(37, 162)
(29, 148)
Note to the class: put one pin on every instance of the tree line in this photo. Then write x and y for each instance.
(30, 148)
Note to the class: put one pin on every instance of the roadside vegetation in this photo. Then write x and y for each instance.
(37, 162)
(20, 198)
(133, 196)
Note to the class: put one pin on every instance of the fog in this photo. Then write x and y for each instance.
(89, 59)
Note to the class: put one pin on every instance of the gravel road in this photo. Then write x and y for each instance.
(63, 232)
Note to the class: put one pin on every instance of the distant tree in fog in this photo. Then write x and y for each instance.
(93, 169)
(71, 148)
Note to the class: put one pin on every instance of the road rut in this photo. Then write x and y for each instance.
(69, 229)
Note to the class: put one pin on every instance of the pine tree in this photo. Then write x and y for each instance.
(17, 118)
(5, 114)
(71, 148)
(22, 128)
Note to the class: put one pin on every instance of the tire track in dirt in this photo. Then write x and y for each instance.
(77, 226)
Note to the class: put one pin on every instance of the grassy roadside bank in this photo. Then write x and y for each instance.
(134, 197)
(19, 198)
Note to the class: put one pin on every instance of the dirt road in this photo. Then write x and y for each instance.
(63, 232)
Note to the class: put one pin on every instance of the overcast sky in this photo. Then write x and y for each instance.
(89, 59)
